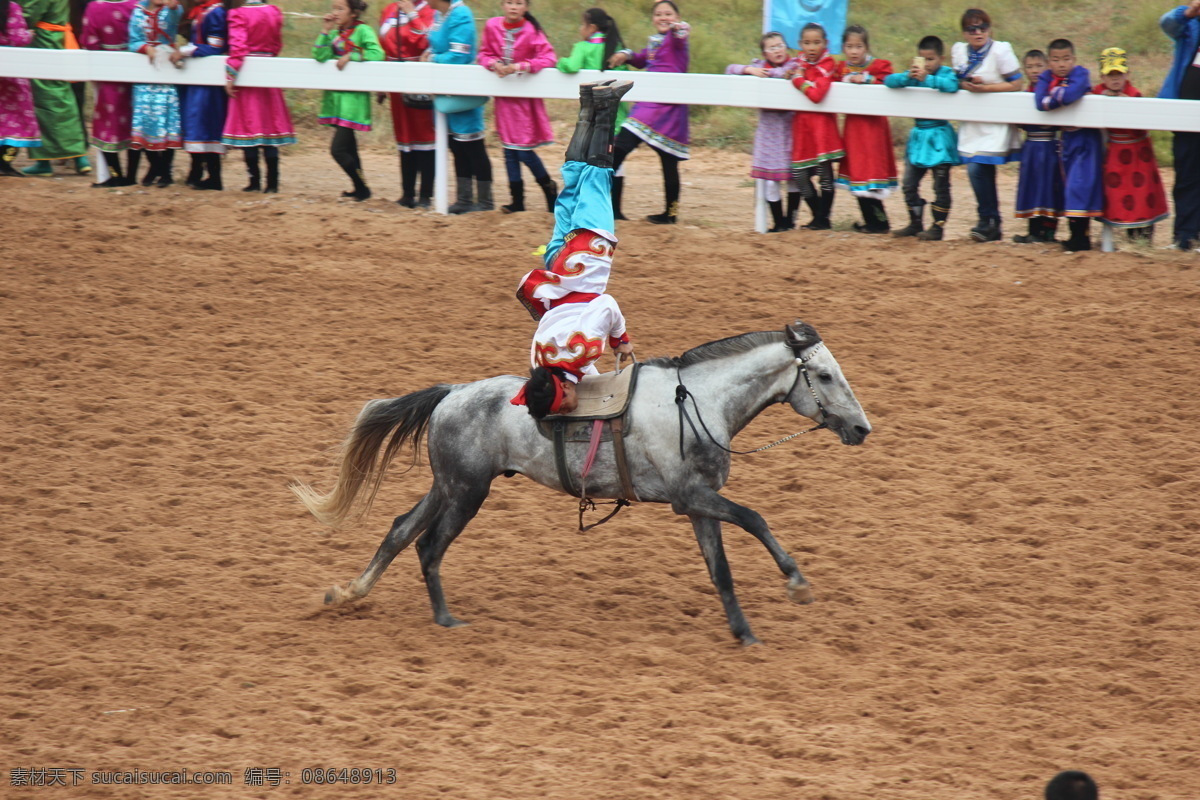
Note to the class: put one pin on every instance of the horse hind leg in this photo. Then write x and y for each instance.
(459, 510)
(708, 534)
(405, 528)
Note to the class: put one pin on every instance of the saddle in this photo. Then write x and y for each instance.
(599, 417)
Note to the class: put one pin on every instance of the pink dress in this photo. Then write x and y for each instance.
(257, 116)
(521, 122)
(106, 27)
(18, 124)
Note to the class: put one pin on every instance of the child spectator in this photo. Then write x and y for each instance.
(868, 169)
(1082, 153)
(203, 107)
(663, 126)
(772, 159)
(56, 104)
(18, 124)
(985, 65)
(346, 37)
(816, 143)
(403, 33)
(1134, 198)
(932, 143)
(1039, 184)
(257, 118)
(599, 40)
(156, 126)
(515, 44)
(453, 41)
(106, 28)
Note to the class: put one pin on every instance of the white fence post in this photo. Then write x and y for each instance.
(441, 177)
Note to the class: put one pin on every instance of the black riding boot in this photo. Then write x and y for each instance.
(916, 222)
(874, 217)
(251, 156)
(272, 174)
(196, 170)
(618, 188)
(517, 190)
(581, 139)
(1080, 235)
(777, 216)
(935, 231)
(605, 99)
(550, 190)
(793, 205)
(212, 163)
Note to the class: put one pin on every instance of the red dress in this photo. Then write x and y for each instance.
(404, 38)
(1133, 190)
(815, 135)
(869, 167)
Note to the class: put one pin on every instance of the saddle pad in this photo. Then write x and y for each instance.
(602, 396)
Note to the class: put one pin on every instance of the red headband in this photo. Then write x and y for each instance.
(519, 398)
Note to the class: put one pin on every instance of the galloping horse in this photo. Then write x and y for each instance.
(475, 435)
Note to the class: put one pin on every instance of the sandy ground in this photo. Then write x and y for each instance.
(1006, 573)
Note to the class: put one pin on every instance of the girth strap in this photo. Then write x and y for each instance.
(560, 458)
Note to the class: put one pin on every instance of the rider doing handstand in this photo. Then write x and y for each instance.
(575, 317)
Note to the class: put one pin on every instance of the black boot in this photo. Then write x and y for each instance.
(465, 200)
(822, 207)
(152, 174)
(196, 170)
(166, 176)
(618, 188)
(582, 137)
(1049, 230)
(605, 99)
(780, 220)
(1034, 235)
(408, 181)
(987, 230)
(814, 206)
(212, 164)
(7, 154)
(483, 197)
(517, 190)
(133, 159)
(360, 191)
(550, 190)
(874, 217)
(793, 205)
(251, 156)
(115, 177)
(937, 230)
(272, 175)
(1080, 235)
(916, 222)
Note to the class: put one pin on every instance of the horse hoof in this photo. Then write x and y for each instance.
(750, 639)
(451, 622)
(800, 592)
(336, 596)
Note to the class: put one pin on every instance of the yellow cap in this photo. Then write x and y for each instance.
(1113, 59)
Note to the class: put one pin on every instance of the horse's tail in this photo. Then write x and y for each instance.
(408, 417)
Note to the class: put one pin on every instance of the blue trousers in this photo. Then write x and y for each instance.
(584, 203)
(513, 159)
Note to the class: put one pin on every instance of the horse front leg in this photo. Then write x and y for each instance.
(461, 507)
(405, 528)
(708, 502)
(708, 534)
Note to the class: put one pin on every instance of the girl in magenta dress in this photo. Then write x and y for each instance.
(106, 28)
(257, 117)
(515, 45)
(663, 126)
(18, 124)
(816, 143)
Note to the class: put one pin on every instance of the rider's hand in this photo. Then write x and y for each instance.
(624, 352)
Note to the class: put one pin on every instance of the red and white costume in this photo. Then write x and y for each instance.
(404, 38)
(1133, 190)
(869, 167)
(576, 319)
(815, 136)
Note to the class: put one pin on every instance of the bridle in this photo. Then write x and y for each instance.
(797, 347)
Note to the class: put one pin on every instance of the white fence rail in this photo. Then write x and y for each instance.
(684, 88)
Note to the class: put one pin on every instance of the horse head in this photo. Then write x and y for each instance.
(821, 391)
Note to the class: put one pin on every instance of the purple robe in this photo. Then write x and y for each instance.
(662, 125)
(106, 27)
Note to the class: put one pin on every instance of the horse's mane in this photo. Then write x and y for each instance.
(721, 348)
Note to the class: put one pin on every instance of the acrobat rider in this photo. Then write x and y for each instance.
(576, 319)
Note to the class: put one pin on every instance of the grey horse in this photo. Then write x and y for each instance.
(683, 415)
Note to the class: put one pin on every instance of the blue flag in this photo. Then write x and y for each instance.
(789, 16)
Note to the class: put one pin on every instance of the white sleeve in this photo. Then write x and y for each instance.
(1006, 60)
(958, 56)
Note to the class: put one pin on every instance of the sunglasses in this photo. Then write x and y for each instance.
(976, 28)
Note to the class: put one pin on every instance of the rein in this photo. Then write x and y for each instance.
(682, 394)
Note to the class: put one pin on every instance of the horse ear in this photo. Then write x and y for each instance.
(801, 334)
